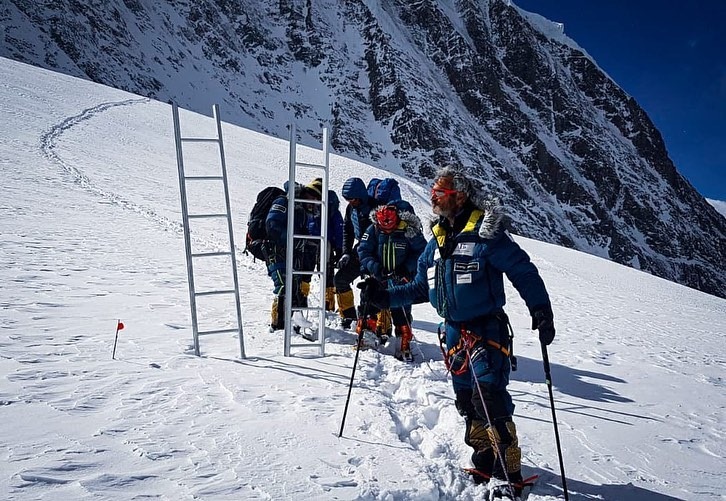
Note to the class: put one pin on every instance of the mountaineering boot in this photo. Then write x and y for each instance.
(370, 323)
(503, 436)
(404, 332)
(346, 306)
(330, 299)
(499, 489)
(277, 314)
(304, 327)
(367, 338)
(300, 321)
(384, 324)
(477, 437)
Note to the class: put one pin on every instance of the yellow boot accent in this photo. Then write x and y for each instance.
(477, 435)
(274, 314)
(513, 453)
(384, 323)
(346, 301)
(330, 298)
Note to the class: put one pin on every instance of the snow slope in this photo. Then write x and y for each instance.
(719, 205)
(90, 225)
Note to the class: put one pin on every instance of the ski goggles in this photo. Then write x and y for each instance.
(442, 192)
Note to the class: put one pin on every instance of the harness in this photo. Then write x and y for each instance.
(457, 359)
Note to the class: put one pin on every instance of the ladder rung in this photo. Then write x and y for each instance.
(220, 331)
(214, 293)
(204, 178)
(210, 254)
(205, 216)
(308, 201)
(308, 237)
(200, 139)
(316, 273)
(303, 164)
(307, 308)
(309, 344)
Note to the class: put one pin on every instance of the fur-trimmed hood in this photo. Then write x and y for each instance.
(413, 223)
(495, 218)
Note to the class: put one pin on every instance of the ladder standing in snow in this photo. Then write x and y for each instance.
(186, 217)
(322, 239)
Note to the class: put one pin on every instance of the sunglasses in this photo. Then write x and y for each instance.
(442, 192)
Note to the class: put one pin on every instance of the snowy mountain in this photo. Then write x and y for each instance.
(91, 234)
(407, 86)
(719, 205)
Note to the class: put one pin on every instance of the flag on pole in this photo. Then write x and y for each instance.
(119, 326)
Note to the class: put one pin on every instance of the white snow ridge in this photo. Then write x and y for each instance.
(90, 223)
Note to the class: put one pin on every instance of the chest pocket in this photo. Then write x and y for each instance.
(464, 272)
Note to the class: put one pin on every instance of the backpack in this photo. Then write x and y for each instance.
(256, 231)
(384, 191)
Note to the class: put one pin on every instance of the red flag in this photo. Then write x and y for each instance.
(120, 325)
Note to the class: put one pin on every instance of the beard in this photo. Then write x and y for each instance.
(441, 211)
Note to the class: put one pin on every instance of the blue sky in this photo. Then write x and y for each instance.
(671, 57)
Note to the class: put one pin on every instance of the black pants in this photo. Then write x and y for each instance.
(348, 274)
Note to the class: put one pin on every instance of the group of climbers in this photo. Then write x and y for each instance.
(380, 236)
(459, 271)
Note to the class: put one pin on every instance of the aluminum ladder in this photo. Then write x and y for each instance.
(322, 239)
(186, 217)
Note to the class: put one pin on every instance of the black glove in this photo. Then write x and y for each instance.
(543, 320)
(335, 256)
(372, 292)
(343, 261)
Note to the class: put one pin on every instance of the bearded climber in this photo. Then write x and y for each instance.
(461, 273)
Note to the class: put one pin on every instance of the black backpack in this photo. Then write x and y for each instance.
(256, 231)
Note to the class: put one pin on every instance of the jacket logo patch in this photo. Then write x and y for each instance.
(464, 278)
(466, 267)
(399, 245)
(464, 249)
(279, 208)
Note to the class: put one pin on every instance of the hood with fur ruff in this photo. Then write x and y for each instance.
(495, 218)
(413, 223)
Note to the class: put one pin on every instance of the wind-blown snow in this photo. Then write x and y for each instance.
(91, 234)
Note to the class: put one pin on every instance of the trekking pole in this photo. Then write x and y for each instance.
(548, 380)
(359, 328)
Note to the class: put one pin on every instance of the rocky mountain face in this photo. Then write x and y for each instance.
(409, 85)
